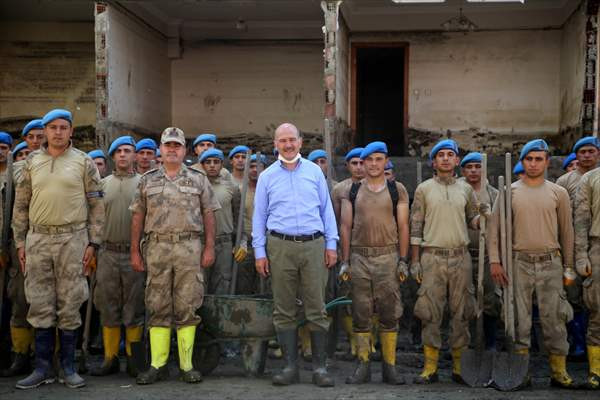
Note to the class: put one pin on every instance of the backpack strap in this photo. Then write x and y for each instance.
(393, 189)
(353, 193)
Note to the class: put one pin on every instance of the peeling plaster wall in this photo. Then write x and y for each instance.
(231, 88)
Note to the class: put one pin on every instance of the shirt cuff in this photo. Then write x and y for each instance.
(259, 252)
(331, 245)
(416, 241)
(18, 245)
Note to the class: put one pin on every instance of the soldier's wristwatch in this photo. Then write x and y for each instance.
(96, 246)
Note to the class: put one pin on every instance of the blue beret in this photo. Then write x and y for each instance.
(373, 147)
(238, 149)
(120, 141)
(212, 153)
(57, 114)
(158, 152)
(147, 143)
(316, 154)
(446, 144)
(6, 138)
(388, 165)
(355, 152)
(471, 158)
(586, 141)
(33, 124)
(263, 158)
(96, 154)
(568, 160)
(19, 147)
(205, 137)
(534, 145)
(518, 169)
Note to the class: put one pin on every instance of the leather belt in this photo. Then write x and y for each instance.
(297, 238)
(56, 229)
(117, 247)
(534, 257)
(223, 239)
(374, 251)
(445, 252)
(174, 237)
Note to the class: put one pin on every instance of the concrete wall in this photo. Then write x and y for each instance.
(248, 87)
(343, 74)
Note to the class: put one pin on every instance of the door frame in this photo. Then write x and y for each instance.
(354, 46)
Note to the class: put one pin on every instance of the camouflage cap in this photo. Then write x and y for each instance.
(173, 134)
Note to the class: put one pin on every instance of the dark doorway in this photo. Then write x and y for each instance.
(380, 95)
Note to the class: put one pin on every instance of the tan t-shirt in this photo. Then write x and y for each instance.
(229, 197)
(249, 210)
(374, 224)
(541, 221)
(119, 192)
(338, 192)
(485, 195)
(570, 181)
(587, 212)
(441, 211)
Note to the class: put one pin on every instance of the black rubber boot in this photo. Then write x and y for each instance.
(191, 376)
(68, 340)
(390, 375)
(44, 351)
(288, 340)
(108, 367)
(362, 374)
(152, 375)
(21, 365)
(320, 377)
(131, 369)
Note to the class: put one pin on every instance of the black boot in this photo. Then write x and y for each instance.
(68, 340)
(20, 365)
(489, 329)
(321, 377)
(152, 375)
(390, 375)
(44, 351)
(288, 340)
(108, 367)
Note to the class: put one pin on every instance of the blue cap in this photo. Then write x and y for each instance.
(474, 157)
(147, 143)
(19, 147)
(518, 169)
(446, 144)
(205, 137)
(568, 160)
(120, 141)
(57, 114)
(586, 141)
(33, 124)
(373, 147)
(96, 154)
(238, 149)
(533, 145)
(355, 152)
(388, 165)
(6, 138)
(316, 154)
(212, 153)
(263, 158)
(158, 152)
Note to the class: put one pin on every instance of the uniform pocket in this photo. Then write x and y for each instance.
(423, 307)
(565, 311)
(470, 304)
(591, 294)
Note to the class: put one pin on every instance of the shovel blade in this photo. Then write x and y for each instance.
(510, 371)
(476, 367)
(139, 356)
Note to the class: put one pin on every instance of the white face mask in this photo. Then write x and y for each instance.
(293, 160)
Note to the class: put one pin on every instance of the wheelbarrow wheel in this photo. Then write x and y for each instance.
(206, 352)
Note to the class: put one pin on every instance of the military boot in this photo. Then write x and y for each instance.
(111, 337)
(21, 340)
(320, 377)
(362, 373)
(44, 351)
(68, 340)
(388, 351)
(288, 340)
(160, 342)
(560, 377)
(429, 373)
(593, 381)
(456, 355)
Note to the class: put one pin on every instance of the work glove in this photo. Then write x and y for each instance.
(402, 270)
(240, 253)
(416, 271)
(344, 274)
(583, 267)
(485, 210)
(569, 276)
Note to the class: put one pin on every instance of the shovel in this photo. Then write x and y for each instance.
(510, 369)
(477, 364)
(85, 344)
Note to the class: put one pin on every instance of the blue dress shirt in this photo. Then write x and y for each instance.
(292, 202)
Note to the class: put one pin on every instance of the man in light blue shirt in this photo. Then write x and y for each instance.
(294, 235)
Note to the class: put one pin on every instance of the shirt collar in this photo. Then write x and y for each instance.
(446, 180)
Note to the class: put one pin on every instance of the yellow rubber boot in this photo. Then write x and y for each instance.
(160, 342)
(560, 377)
(456, 355)
(362, 373)
(185, 346)
(111, 337)
(305, 344)
(132, 334)
(388, 347)
(347, 325)
(593, 381)
(429, 373)
(21, 339)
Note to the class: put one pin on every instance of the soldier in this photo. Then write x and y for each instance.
(158, 158)
(485, 193)
(217, 279)
(237, 158)
(119, 294)
(292, 203)
(443, 210)
(172, 206)
(587, 256)
(570, 163)
(518, 170)
(542, 253)
(33, 133)
(100, 161)
(375, 252)
(57, 223)
(320, 158)
(202, 143)
(145, 151)
(20, 152)
(388, 172)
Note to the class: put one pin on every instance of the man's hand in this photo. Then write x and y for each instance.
(137, 263)
(262, 267)
(484, 210)
(402, 270)
(89, 260)
(208, 257)
(241, 252)
(21, 254)
(330, 258)
(498, 274)
(416, 271)
(344, 275)
(583, 267)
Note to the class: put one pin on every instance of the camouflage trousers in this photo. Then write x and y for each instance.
(175, 284)
(119, 293)
(298, 270)
(217, 278)
(15, 292)
(492, 304)
(542, 274)
(55, 286)
(591, 294)
(447, 276)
